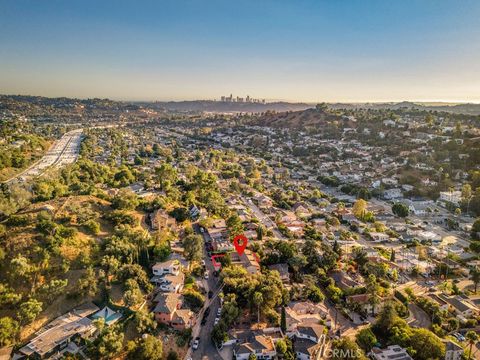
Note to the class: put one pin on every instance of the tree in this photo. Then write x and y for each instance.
(235, 226)
(88, 283)
(359, 208)
(373, 292)
(386, 320)
(258, 300)
(166, 175)
(145, 322)
(283, 320)
(29, 311)
(476, 229)
(125, 200)
(392, 255)
(281, 347)
(108, 343)
(475, 277)
(400, 209)
(260, 232)
(8, 331)
(346, 349)
(366, 339)
(193, 245)
(472, 338)
(148, 348)
(172, 355)
(427, 345)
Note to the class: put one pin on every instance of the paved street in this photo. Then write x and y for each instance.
(206, 347)
(263, 218)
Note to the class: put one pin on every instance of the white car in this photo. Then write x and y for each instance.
(205, 276)
(196, 342)
(219, 312)
(203, 262)
(217, 319)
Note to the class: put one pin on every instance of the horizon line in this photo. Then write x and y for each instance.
(267, 101)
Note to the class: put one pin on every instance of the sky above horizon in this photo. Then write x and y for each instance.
(298, 50)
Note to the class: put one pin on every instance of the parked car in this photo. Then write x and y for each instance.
(217, 319)
(219, 312)
(205, 275)
(196, 342)
(207, 311)
(210, 294)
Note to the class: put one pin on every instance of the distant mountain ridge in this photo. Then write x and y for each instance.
(468, 109)
(233, 107)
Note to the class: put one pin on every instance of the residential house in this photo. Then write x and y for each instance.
(454, 197)
(59, 335)
(160, 220)
(282, 270)
(453, 351)
(166, 305)
(378, 237)
(171, 267)
(392, 352)
(304, 313)
(392, 194)
(169, 283)
(301, 209)
(261, 346)
(249, 261)
(362, 303)
(343, 280)
(309, 341)
(183, 319)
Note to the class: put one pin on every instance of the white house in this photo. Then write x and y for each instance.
(167, 267)
(392, 352)
(260, 345)
(377, 236)
(454, 197)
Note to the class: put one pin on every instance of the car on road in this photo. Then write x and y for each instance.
(210, 294)
(196, 342)
(207, 311)
(203, 262)
(217, 319)
(204, 320)
(205, 275)
(219, 311)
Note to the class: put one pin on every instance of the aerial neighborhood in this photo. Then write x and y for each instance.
(363, 238)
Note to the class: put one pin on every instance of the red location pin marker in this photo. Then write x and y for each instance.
(240, 243)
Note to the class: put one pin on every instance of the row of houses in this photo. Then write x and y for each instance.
(167, 300)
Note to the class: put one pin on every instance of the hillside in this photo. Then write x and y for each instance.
(467, 109)
(296, 119)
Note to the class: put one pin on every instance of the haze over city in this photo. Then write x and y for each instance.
(310, 51)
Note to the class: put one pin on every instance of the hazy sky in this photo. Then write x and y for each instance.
(300, 50)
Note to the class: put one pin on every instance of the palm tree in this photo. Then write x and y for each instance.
(472, 338)
(258, 300)
(475, 277)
